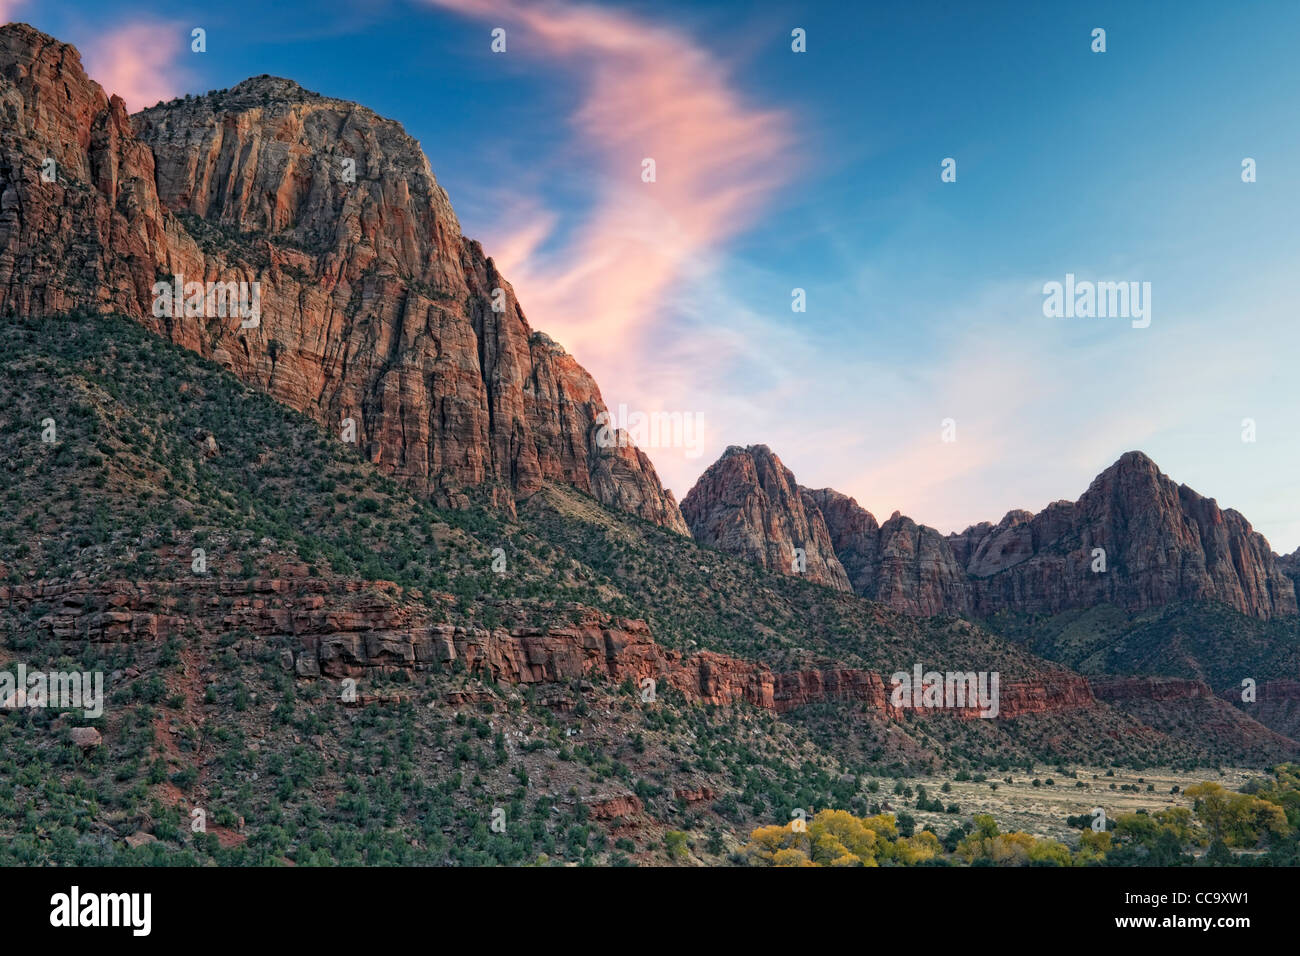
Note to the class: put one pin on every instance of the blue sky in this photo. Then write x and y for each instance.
(820, 171)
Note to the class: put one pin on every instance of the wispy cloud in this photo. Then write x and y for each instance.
(138, 61)
(8, 8)
(648, 92)
(644, 294)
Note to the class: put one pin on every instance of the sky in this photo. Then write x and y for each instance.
(820, 170)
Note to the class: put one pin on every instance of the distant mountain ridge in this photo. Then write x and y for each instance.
(1161, 542)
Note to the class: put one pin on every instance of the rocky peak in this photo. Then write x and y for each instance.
(374, 307)
(748, 504)
(277, 88)
(1161, 542)
(326, 174)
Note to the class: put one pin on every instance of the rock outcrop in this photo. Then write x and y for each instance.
(347, 628)
(748, 504)
(1289, 564)
(1160, 543)
(1149, 688)
(372, 306)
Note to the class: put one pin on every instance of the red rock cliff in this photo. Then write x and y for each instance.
(348, 628)
(374, 307)
(1163, 542)
(748, 504)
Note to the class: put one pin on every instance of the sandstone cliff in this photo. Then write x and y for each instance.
(908, 566)
(748, 504)
(1289, 564)
(374, 307)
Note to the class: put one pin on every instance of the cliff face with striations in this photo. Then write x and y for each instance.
(347, 628)
(748, 504)
(373, 306)
(1289, 564)
(1162, 542)
(1149, 688)
(903, 564)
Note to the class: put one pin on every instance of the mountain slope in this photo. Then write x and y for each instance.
(476, 688)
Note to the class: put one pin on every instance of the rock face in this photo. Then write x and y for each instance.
(1149, 688)
(373, 306)
(1289, 564)
(908, 566)
(748, 504)
(1163, 542)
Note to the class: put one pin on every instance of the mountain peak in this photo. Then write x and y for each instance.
(26, 33)
(279, 87)
(374, 307)
(753, 451)
(748, 503)
(1134, 461)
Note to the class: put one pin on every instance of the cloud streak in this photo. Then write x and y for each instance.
(138, 62)
(648, 92)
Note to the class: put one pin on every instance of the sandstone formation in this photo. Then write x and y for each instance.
(1148, 688)
(748, 504)
(348, 628)
(1162, 542)
(373, 306)
(85, 738)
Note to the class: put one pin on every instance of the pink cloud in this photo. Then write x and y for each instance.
(138, 62)
(650, 92)
(7, 8)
